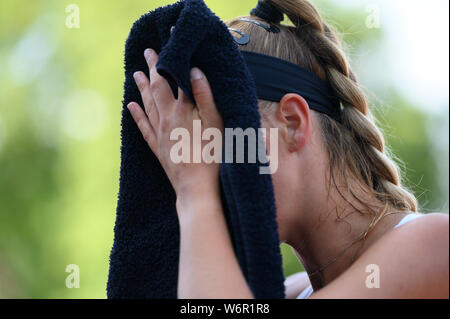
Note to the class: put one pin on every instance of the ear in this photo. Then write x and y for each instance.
(294, 114)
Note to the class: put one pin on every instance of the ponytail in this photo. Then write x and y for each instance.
(356, 146)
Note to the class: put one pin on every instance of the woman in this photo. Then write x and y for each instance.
(340, 202)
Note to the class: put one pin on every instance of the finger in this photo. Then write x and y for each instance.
(182, 97)
(161, 91)
(184, 104)
(143, 124)
(149, 55)
(204, 97)
(143, 85)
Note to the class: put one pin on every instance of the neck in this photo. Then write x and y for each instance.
(332, 233)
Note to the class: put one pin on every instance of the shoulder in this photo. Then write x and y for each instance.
(415, 257)
(411, 261)
(423, 230)
(428, 235)
(422, 243)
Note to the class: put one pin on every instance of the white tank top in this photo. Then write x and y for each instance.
(307, 292)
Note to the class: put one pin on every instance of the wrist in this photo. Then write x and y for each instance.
(199, 200)
(193, 188)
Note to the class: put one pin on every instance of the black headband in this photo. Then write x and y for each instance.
(274, 78)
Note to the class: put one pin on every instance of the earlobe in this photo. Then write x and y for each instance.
(294, 113)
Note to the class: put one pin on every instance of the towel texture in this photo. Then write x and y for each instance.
(144, 257)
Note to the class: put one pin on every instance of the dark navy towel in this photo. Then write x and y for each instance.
(144, 257)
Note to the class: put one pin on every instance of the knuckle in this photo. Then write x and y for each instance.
(146, 98)
(141, 86)
(155, 83)
(140, 124)
(200, 88)
(149, 61)
(202, 92)
(146, 136)
(148, 110)
(207, 116)
(183, 105)
(164, 125)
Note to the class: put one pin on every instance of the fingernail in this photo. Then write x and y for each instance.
(130, 106)
(137, 75)
(196, 74)
(147, 53)
(151, 54)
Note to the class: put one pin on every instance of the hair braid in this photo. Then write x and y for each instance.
(324, 44)
(356, 146)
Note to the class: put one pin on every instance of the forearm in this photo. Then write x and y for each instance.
(208, 266)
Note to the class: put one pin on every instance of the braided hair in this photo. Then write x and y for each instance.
(356, 146)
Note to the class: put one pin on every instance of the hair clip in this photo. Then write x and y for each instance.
(272, 28)
(243, 40)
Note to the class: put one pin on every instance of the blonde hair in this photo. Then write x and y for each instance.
(356, 146)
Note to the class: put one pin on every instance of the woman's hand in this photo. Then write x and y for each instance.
(208, 267)
(163, 114)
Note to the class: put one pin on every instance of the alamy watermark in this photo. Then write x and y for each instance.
(236, 150)
(373, 19)
(373, 280)
(73, 279)
(73, 17)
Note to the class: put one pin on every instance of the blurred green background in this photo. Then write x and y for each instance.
(60, 106)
